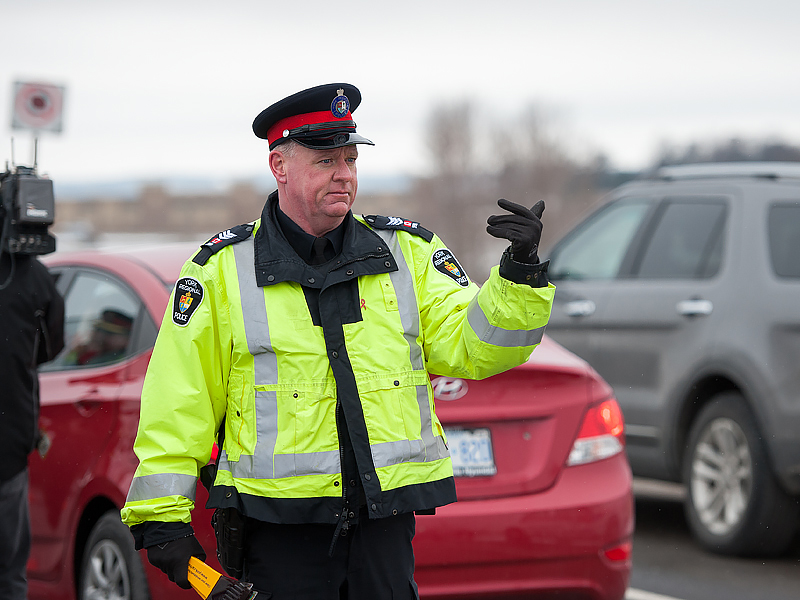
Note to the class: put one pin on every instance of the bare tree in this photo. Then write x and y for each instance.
(450, 138)
(446, 201)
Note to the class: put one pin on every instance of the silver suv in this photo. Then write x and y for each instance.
(683, 292)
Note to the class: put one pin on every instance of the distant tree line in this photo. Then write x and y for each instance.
(731, 150)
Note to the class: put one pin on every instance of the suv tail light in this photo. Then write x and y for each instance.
(600, 435)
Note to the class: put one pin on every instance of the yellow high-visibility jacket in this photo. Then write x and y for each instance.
(238, 341)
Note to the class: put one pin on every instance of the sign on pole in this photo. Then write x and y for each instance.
(37, 106)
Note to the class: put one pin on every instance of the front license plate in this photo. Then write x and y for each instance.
(471, 452)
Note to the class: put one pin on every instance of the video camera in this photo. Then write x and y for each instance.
(26, 211)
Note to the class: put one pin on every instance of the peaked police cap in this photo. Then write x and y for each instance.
(319, 117)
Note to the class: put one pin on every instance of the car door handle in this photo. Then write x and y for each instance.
(580, 308)
(86, 408)
(89, 403)
(695, 307)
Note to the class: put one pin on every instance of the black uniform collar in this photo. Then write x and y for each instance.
(303, 242)
(363, 252)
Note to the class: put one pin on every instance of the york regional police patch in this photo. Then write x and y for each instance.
(446, 263)
(188, 296)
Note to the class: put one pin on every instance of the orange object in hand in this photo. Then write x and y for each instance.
(213, 585)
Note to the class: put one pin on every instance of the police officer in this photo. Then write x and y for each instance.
(309, 335)
(31, 332)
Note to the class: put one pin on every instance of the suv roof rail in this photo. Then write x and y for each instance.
(766, 170)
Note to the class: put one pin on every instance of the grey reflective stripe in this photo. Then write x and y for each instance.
(496, 336)
(433, 447)
(311, 463)
(150, 487)
(403, 285)
(254, 310)
(284, 465)
(265, 364)
(392, 453)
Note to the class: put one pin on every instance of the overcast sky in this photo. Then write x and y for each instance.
(172, 87)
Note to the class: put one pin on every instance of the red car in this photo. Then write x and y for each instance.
(544, 487)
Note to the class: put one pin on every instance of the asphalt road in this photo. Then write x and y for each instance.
(668, 565)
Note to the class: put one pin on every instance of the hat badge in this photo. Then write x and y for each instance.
(340, 105)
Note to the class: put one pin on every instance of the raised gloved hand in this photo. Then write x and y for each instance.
(523, 228)
(173, 558)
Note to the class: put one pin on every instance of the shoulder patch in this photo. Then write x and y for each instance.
(222, 239)
(381, 222)
(187, 297)
(444, 262)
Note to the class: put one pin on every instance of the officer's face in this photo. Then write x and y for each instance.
(319, 186)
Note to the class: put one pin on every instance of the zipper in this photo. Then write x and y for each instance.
(344, 523)
(341, 452)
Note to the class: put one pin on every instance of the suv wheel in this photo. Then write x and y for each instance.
(734, 505)
(111, 568)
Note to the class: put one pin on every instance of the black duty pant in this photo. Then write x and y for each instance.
(15, 537)
(374, 560)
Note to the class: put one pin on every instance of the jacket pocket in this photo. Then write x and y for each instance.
(236, 415)
(392, 405)
(313, 411)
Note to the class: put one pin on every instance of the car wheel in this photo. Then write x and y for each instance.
(734, 504)
(111, 568)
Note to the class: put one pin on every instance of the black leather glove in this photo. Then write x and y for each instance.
(173, 558)
(523, 228)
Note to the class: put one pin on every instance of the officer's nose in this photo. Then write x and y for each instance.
(344, 170)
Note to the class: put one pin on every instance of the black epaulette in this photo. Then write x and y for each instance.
(381, 222)
(222, 239)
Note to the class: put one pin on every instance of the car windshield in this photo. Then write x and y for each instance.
(597, 248)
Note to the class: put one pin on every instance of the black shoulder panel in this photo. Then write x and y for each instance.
(222, 239)
(380, 222)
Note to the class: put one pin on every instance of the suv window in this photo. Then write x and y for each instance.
(596, 250)
(98, 321)
(685, 241)
(784, 238)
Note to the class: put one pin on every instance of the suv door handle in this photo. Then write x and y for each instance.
(580, 308)
(695, 307)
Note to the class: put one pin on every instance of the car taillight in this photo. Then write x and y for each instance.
(618, 553)
(601, 434)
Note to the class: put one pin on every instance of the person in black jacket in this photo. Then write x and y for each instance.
(31, 332)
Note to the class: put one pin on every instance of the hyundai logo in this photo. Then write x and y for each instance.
(449, 388)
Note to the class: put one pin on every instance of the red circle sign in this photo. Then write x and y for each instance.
(38, 106)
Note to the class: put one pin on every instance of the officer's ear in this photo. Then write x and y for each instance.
(277, 164)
